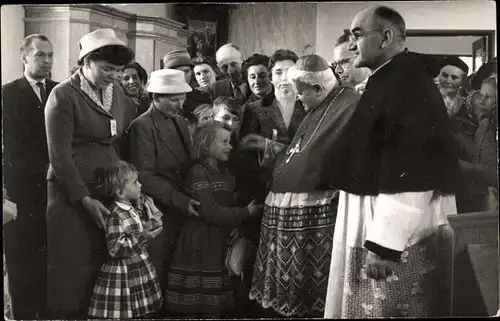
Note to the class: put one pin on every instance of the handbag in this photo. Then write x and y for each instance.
(238, 254)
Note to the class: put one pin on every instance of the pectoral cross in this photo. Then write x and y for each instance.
(293, 151)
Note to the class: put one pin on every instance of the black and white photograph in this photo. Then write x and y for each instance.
(250, 160)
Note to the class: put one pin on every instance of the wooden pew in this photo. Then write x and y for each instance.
(474, 267)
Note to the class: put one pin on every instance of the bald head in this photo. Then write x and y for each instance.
(377, 34)
(389, 18)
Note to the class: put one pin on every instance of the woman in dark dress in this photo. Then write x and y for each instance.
(85, 118)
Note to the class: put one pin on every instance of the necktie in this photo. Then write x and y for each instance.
(43, 93)
(238, 95)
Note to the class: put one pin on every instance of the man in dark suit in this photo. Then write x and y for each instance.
(25, 167)
(229, 61)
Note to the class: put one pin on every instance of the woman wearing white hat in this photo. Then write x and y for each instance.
(159, 146)
(85, 117)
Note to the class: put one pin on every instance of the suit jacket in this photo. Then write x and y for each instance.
(224, 88)
(159, 148)
(79, 135)
(263, 116)
(25, 146)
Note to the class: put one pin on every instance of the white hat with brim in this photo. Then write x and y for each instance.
(98, 39)
(168, 81)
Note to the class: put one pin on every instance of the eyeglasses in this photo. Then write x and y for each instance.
(344, 63)
(356, 35)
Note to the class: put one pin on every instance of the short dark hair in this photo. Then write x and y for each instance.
(280, 55)
(254, 60)
(26, 43)
(141, 72)
(342, 39)
(393, 17)
(114, 54)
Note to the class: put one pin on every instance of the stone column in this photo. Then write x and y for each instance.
(12, 36)
(154, 38)
(150, 37)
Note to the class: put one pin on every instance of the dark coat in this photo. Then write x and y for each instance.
(263, 116)
(80, 141)
(224, 88)
(400, 137)
(25, 166)
(159, 148)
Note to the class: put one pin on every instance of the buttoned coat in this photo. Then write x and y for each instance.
(159, 148)
(80, 141)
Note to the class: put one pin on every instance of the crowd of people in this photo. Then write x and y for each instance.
(271, 186)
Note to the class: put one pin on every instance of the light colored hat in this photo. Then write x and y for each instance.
(168, 81)
(98, 39)
(177, 58)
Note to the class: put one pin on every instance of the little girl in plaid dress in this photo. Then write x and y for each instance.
(127, 286)
(199, 282)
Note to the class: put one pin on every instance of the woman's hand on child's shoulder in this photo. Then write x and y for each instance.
(254, 209)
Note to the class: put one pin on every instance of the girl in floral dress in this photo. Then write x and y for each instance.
(127, 286)
(198, 280)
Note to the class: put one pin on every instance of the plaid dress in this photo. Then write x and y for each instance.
(127, 286)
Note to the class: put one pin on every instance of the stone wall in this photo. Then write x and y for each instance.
(263, 27)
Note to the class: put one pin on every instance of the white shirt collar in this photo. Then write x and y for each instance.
(126, 207)
(33, 82)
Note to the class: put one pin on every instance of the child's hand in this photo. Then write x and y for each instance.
(150, 234)
(194, 207)
(254, 209)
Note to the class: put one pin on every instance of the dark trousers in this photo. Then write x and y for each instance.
(25, 244)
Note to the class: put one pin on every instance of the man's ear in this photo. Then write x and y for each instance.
(23, 57)
(318, 89)
(387, 38)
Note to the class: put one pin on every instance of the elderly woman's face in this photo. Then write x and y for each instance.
(102, 73)
(131, 82)
(204, 74)
(450, 78)
(487, 100)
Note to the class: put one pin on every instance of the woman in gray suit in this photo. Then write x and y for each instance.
(85, 118)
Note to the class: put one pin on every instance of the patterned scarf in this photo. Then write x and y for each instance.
(107, 93)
